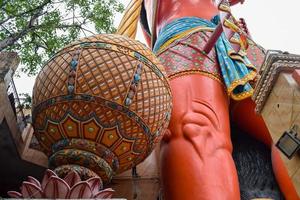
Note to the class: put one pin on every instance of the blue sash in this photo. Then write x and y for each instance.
(236, 69)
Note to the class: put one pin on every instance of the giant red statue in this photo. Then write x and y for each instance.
(208, 94)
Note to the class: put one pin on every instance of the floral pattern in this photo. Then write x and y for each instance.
(70, 187)
(186, 55)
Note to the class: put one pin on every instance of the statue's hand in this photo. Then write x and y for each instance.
(233, 2)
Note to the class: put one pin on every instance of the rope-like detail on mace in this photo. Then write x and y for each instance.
(129, 22)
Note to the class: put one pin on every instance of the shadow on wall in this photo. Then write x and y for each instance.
(13, 170)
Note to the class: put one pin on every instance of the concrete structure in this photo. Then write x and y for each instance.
(22, 134)
(17, 160)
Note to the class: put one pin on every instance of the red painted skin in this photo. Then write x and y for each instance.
(196, 161)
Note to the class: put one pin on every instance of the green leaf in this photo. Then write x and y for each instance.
(40, 28)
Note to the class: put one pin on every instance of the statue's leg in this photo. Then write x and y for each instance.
(282, 177)
(196, 161)
(244, 116)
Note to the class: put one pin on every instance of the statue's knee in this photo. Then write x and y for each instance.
(191, 130)
(203, 131)
(199, 124)
(204, 123)
(199, 133)
(205, 138)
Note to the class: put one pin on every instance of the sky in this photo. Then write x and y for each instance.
(272, 23)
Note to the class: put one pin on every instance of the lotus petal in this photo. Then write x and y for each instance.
(72, 178)
(30, 190)
(81, 190)
(104, 194)
(47, 175)
(95, 184)
(14, 194)
(56, 188)
(34, 181)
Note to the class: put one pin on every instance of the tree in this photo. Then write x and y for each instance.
(26, 100)
(36, 29)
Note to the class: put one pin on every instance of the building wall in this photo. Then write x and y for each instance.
(13, 170)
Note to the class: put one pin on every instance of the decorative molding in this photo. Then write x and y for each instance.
(9, 62)
(274, 63)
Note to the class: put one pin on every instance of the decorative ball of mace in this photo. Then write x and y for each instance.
(100, 105)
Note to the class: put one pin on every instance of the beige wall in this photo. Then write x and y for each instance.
(281, 112)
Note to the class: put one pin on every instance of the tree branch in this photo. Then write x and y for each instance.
(16, 36)
(3, 3)
(46, 47)
(5, 29)
(29, 28)
(77, 18)
(87, 30)
(38, 8)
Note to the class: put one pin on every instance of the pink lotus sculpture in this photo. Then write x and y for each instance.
(71, 187)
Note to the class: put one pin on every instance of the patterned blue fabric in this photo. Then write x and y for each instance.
(235, 73)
